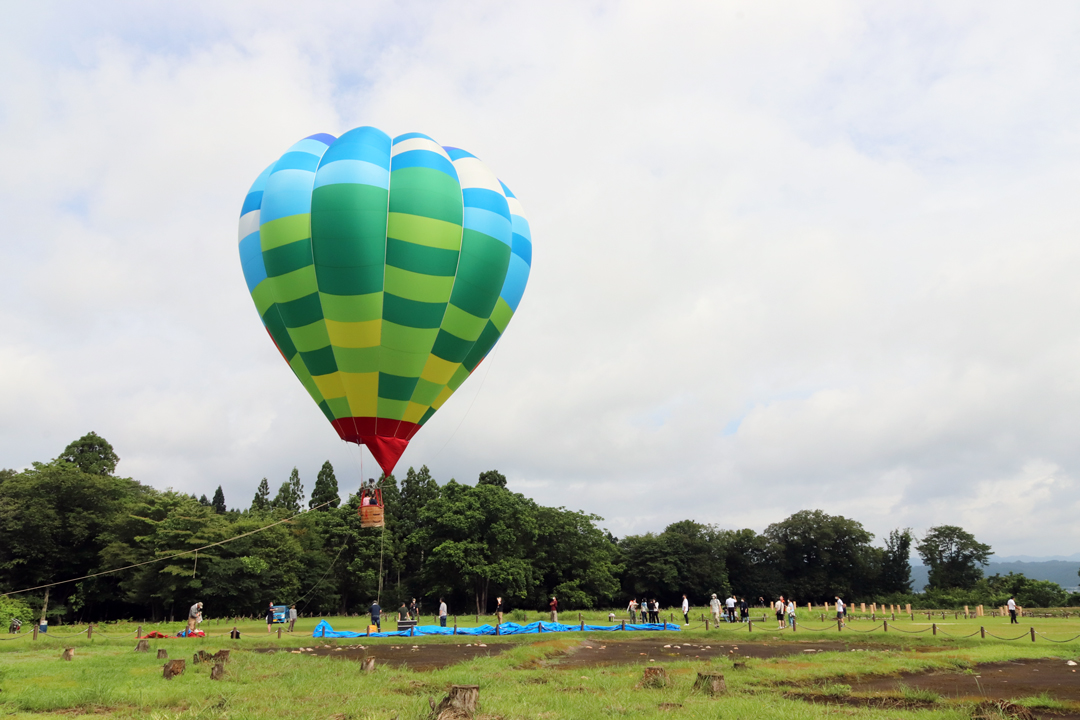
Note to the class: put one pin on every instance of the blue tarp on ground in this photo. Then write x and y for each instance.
(323, 629)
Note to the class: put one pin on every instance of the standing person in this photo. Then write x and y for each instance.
(714, 607)
(729, 608)
(744, 610)
(376, 615)
(442, 613)
(402, 612)
(269, 617)
(1012, 610)
(632, 609)
(791, 612)
(499, 609)
(779, 608)
(193, 617)
(655, 611)
(554, 607)
(414, 611)
(841, 609)
(685, 610)
(292, 617)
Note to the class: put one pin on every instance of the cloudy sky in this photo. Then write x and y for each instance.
(786, 255)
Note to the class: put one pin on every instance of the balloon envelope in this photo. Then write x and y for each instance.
(384, 270)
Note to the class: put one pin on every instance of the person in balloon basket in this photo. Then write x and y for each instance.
(270, 617)
(554, 607)
(442, 613)
(376, 615)
(1012, 611)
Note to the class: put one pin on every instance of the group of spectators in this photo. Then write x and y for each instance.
(648, 608)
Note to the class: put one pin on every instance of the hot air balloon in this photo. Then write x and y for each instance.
(384, 270)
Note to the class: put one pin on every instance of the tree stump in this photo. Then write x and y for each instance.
(218, 671)
(654, 677)
(368, 664)
(162, 654)
(710, 684)
(200, 657)
(143, 646)
(221, 656)
(463, 701)
(173, 668)
(68, 654)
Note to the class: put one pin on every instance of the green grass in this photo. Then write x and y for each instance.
(107, 679)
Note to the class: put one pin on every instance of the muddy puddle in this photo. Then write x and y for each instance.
(415, 656)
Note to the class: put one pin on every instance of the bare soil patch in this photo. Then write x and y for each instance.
(595, 652)
(417, 657)
(989, 681)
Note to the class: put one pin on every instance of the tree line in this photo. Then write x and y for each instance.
(73, 517)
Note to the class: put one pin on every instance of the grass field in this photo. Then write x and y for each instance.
(540, 676)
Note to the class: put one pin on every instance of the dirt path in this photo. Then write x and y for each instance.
(593, 651)
(416, 657)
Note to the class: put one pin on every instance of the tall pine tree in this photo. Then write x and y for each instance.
(261, 503)
(290, 495)
(326, 489)
(219, 501)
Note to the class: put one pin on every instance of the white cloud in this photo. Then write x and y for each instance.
(786, 256)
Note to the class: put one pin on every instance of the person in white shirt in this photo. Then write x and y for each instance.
(791, 612)
(729, 605)
(714, 606)
(632, 609)
(841, 609)
(1012, 611)
(686, 610)
(778, 606)
(442, 613)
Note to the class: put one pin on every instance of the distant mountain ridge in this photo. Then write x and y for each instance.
(1061, 569)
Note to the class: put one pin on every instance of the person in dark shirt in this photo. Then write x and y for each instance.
(376, 613)
(499, 610)
(270, 617)
(403, 612)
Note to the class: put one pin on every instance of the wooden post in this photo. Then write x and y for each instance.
(710, 684)
(808, 608)
(162, 654)
(142, 646)
(749, 625)
(368, 665)
(69, 653)
(894, 617)
(623, 624)
(862, 607)
(1032, 634)
(908, 606)
(793, 623)
(465, 699)
(35, 631)
(138, 633)
(89, 631)
(933, 628)
(706, 624)
(982, 632)
(885, 623)
(496, 630)
(839, 625)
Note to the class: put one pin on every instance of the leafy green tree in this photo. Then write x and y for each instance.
(93, 454)
(492, 477)
(686, 558)
(896, 563)
(752, 566)
(290, 495)
(953, 556)
(261, 501)
(574, 560)
(1028, 592)
(479, 537)
(325, 490)
(204, 501)
(821, 556)
(218, 503)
